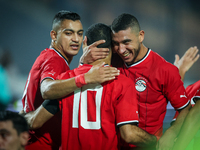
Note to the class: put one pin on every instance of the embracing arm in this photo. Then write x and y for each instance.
(168, 138)
(190, 127)
(137, 136)
(54, 89)
(42, 114)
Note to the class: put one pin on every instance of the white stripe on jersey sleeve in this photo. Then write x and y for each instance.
(195, 97)
(47, 78)
(128, 122)
(183, 106)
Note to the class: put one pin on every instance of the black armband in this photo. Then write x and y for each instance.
(51, 106)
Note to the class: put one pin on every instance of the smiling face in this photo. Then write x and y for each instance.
(68, 38)
(127, 43)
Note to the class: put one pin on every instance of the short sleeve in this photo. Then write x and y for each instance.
(52, 67)
(126, 104)
(174, 89)
(196, 96)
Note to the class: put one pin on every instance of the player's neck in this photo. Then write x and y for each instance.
(142, 53)
(107, 60)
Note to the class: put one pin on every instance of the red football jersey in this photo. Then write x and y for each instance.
(91, 113)
(156, 82)
(49, 64)
(192, 91)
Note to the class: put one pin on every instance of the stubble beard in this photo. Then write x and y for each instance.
(136, 52)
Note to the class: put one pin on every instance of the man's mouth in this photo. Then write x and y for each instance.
(127, 53)
(74, 46)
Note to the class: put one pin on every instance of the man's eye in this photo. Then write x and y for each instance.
(80, 34)
(68, 33)
(125, 42)
(3, 135)
(113, 43)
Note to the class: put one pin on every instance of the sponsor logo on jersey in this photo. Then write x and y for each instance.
(51, 73)
(140, 85)
(182, 96)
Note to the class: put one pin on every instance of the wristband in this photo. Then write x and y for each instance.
(80, 80)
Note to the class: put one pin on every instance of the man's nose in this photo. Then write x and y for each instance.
(75, 38)
(122, 48)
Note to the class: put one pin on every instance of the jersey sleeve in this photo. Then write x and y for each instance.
(126, 105)
(174, 89)
(193, 91)
(51, 68)
(196, 96)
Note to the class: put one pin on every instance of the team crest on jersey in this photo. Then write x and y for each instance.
(140, 85)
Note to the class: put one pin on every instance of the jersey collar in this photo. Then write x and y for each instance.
(139, 61)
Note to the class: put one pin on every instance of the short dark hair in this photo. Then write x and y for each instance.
(19, 122)
(64, 14)
(98, 32)
(125, 21)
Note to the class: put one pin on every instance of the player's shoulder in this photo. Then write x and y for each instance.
(119, 85)
(123, 80)
(162, 63)
(48, 52)
(196, 84)
(190, 89)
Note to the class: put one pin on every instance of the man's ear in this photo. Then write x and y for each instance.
(53, 35)
(141, 36)
(24, 136)
(84, 42)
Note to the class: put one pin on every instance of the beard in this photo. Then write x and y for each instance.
(136, 53)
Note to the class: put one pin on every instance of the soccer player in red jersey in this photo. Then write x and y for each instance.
(95, 110)
(67, 36)
(191, 125)
(156, 81)
(192, 92)
(93, 116)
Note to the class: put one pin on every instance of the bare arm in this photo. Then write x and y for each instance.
(54, 89)
(186, 61)
(166, 142)
(190, 127)
(37, 118)
(137, 136)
